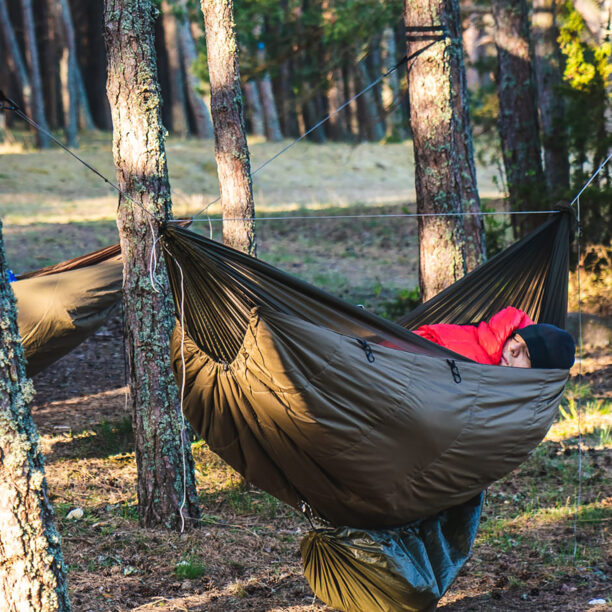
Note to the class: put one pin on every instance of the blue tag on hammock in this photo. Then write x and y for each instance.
(12, 277)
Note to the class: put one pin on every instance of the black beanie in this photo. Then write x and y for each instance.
(549, 346)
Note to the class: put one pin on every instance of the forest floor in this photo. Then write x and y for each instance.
(536, 547)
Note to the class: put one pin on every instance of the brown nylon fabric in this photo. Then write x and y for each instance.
(57, 311)
(304, 415)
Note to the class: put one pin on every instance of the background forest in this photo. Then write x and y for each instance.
(301, 60)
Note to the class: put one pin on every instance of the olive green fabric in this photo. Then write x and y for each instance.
(304, 415)
(57, 311)
(408, 568)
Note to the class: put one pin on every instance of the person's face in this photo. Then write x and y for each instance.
(515, 353)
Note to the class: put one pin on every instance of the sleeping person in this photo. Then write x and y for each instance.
(509, 338)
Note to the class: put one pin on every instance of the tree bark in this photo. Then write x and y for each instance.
(450, 246)
(231, 150)
(32, 570)
(518, 116)
(201, 114)
(68, 72)
(552, 106)
(38, 107)
(175, 71)
(166, 487)
(14, 57)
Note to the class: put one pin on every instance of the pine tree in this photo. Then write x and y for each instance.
(166, 487)
(32, 570)
(231, 150)
(450, 246)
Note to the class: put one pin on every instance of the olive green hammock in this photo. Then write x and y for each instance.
(60, 306)
(289, 385)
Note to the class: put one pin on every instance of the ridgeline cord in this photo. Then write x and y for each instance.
(579, 411)
(211, 220)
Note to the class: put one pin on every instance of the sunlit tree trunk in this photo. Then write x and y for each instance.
(231, 150)
(68, 73)
(552, 107)
(175, 71)
(450, 246)
(166, 488)
(201, 114)
(37, 104)
(268, 104)
(32, 570)
(518, 115)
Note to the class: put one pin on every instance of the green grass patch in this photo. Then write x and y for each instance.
(190, 569)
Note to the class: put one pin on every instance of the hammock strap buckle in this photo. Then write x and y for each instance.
(368, 350)
(454, 370)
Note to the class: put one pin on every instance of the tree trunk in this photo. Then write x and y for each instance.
(373, 127)
(268, 104)
(518, 118)
(255, 111)
(552, 106)
(68, 72)
(391, 88)
(201, 114)
(38, 107)
(336, 124)
(175, 71)
(166, 488)
(231, 150)
(14, 58)
(32, 570)
(86, 121)
(445, 173)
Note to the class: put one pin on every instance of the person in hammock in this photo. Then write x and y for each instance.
(509, 338)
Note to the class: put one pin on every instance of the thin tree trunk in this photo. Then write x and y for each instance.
(166, 487)
(373, 126)
(334, 101)
(391, 88)
(255, 111)
(518, 117)
(14, 57)
(175, 71)
(199, 109)
(445, 175)
(552, 106)
(86, 121)
(268, 104)
(231, 150)
(32, 570)
(69, 77)
(38, 107)
(49, 50)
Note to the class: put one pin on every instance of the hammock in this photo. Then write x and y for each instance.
(288, 384)
(60, 306)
